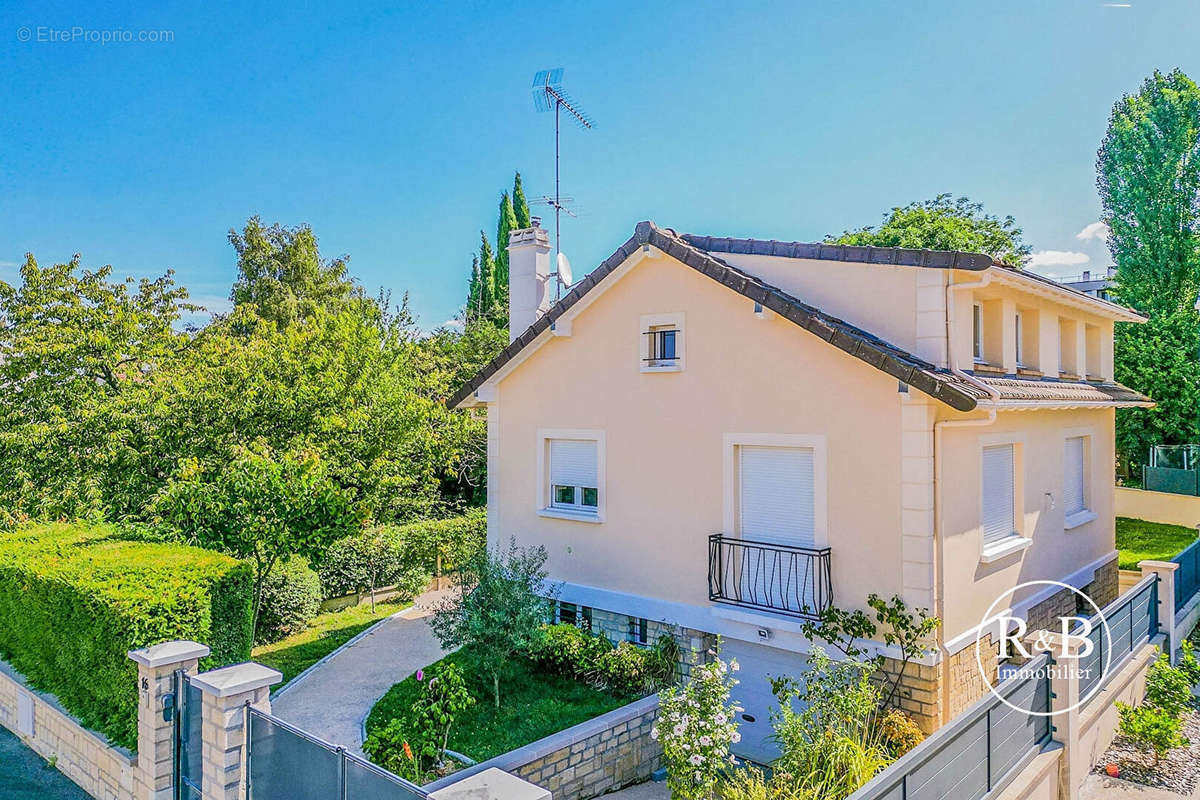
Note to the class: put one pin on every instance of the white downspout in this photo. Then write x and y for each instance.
(938, 425)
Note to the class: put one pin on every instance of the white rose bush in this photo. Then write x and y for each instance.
(696, 726)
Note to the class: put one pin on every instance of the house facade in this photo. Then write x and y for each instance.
(720, 437)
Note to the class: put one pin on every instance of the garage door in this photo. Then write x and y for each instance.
(756, 662)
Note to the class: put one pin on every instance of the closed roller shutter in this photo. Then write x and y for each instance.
(1073, 499)
(573, 463)
(998, 512)
(777, 495)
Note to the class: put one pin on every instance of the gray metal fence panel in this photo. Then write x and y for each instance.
(980, 751)
(366, 781)
(1187, 577)
(285, 765)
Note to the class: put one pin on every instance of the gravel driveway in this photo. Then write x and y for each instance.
(332, 699)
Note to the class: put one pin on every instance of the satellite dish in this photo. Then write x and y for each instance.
(564, 270)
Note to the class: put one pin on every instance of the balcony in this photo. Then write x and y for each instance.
(778, 578)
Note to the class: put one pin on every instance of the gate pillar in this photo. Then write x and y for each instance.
(157, 705)
(227, 691)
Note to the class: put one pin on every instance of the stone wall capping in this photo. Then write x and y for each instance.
(160, 655)
(491, 783)
(236, 679)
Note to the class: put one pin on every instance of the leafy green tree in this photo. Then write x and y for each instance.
(72, 341)
(1148, 176)
(520, 205)
(499, 609)
(281, 272)
(260, 506)
(944, 223)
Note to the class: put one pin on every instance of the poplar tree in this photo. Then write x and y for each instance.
(1148, 175)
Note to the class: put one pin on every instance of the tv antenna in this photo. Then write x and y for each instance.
(548, 95)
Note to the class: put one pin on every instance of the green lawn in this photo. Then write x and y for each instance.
(532, 705)
(1138, 540)
(328, 632)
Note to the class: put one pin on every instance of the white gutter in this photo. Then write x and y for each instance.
(938, 425)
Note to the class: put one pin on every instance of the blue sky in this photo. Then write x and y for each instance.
(392, 128)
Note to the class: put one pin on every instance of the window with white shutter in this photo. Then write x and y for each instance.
(574, 482)
(776, 486)
(1074, 500)
(999, 517)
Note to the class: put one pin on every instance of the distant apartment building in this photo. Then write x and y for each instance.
(1092, 283)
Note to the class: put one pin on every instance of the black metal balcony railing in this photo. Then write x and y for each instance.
(769, 577)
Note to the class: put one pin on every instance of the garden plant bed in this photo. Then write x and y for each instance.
(1139, 540)
(533, 705)
(1178, 771)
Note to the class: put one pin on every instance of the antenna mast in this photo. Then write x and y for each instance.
(548, 94)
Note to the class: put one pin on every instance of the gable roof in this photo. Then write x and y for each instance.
(939, 384)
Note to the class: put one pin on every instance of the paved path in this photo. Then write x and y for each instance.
(25, 776)
(332, 699)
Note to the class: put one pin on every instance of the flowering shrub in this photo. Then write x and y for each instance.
(696, 726)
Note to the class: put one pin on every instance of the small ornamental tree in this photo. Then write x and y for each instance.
(696, 726)
(501, 604)
(443, 697)
(261, 507)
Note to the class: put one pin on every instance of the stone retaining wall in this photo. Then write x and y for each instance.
(102, 770)
(598, 756)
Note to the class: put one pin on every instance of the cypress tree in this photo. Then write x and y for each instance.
(475, 292)
(487, 277)
(520, 206)
(507, 224)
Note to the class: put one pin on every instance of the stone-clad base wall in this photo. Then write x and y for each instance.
(100, 769)
(962, 670)
(601, 755)
(693, 644)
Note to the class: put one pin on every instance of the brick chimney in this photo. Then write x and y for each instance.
(528, 277)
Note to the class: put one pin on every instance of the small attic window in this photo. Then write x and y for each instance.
(662, 345)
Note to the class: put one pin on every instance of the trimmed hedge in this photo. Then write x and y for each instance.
(74, 598)
(394, 553)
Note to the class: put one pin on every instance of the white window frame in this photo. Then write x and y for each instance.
(1017, 541)
(545, 497)
(815, 442)
(649, 322)
(1087, 514)
(977, 333)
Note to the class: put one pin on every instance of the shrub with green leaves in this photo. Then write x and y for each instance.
(75, 598)
(291, 599)
(1168, 687)
(1152, 728)
(567, 649)
(401, 554)
(623, 669)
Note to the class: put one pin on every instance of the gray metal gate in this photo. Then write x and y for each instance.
(285, 763)
(189, 720)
